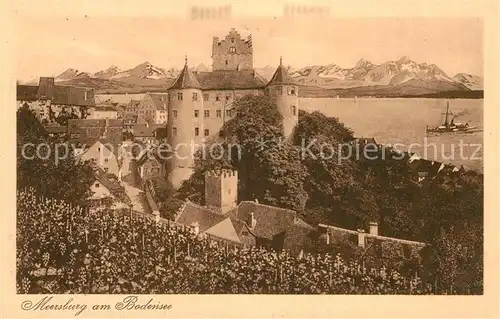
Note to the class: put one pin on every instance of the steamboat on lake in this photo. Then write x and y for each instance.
(450, 126)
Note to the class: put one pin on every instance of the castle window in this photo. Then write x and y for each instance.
(291, 90)
(97, 185)
(232, 49)
(218, 113)
(105, 160)
(229, 191)
(206, 132)
(205, 96)
(206, 113)
(232, 40)
(196, 113)
(196, 131)
(179, 96)
(293, 109)
(279, 90)
(217, 98)
(226, 62)
(195, 96)
(228, 113)
(228, 97)
(174, 131)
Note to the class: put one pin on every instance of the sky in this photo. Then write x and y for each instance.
(49, 44)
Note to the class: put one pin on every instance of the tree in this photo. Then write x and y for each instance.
(52, 172)
(252, 142)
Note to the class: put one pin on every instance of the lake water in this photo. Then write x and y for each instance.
(403, 121)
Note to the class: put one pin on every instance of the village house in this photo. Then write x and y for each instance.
(149, 166)
(153, 108)
(244, 224)
(132, 107)
(104, 157)
(103, 112)
(129, 121)
(144, 133)
(107, 187)
(48, 100)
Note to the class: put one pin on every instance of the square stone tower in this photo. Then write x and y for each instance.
(232, 53)
(221, 190)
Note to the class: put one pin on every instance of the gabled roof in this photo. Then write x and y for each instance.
(229, 80)
(72, 95)
(271, 220)
(26, 92)
(110, 181)
(147, 155)
(186, 80)
(160, 100)
(194, 213)
(225, 230)
(141, 130)
(89, 131)
(57, 94)
(281, 76)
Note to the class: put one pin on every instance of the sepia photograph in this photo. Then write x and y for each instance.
(215, 154)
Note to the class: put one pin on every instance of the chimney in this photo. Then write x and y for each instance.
(374, 228)
(253, 221)
(361, 238)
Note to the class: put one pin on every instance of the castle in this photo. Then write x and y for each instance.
(199, 103)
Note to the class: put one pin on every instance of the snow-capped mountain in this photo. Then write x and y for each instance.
(473, 82)
(143, 71)
(70, 74)
(108, 73)
(368, 73)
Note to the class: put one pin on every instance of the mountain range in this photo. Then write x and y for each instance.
(400, 77)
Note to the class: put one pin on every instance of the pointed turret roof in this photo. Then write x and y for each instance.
(281, 76)
(186, 80)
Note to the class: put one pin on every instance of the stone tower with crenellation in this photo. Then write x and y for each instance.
(221, 190)
(232, 53)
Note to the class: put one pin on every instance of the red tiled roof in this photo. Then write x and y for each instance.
(141, 130)
(89, 131)
(193, 213)
(111, 182)
(229, 80)
(58, 94)
(186, 80)
(270, 220)
(160, 100)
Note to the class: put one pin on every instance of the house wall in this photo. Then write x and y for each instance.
(100, 191)
(97, 115)
(213, 123)
(161, 116)
(103, 158)
(151, 169)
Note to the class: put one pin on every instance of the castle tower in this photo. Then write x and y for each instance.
(284, 92)
(221, 190)
(184, 125)
(233, 53)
